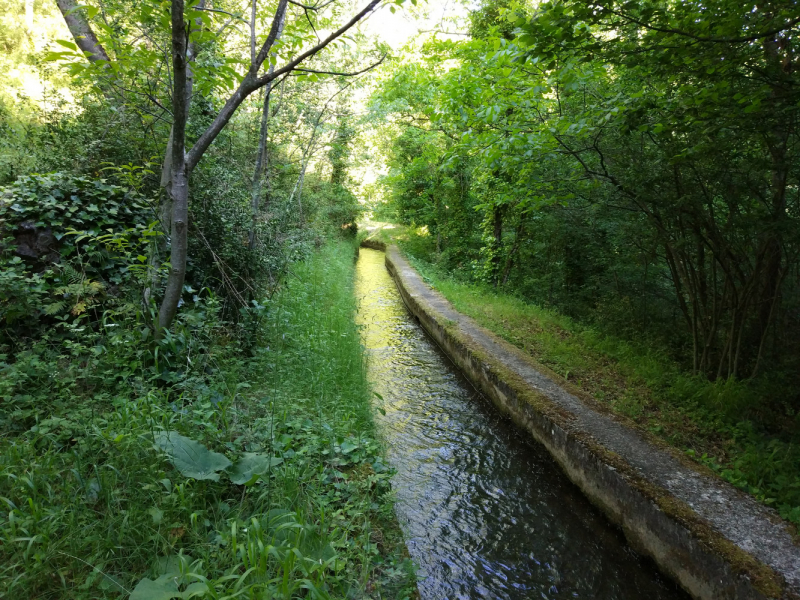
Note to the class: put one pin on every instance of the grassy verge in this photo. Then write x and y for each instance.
(729, 426)
(381, 232)
(91, 508)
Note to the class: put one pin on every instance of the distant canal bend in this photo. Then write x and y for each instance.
(485, 513)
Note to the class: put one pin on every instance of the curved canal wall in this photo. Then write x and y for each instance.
(716, 541)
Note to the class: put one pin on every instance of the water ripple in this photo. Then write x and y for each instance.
(485, 512)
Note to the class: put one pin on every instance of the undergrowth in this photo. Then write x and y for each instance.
(731, 426)
(94, 504)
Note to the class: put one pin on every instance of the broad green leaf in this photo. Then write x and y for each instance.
(54, 56)
(91, 11)
(191, 458)
(197, 589)
(348, 446)
(166, 588)
(67, 44)
(251, 465)
(157, 514)
(163, 588)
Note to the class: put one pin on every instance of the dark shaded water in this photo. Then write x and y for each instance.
(485, 513)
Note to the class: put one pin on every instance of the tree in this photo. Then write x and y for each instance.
(695, 129)
(81, 30)
(667, 132)
(188, 25)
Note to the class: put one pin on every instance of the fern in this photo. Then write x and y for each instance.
(79, 294)
(54, 308)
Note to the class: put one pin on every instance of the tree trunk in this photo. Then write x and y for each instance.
(498, 243)
(81, 31)
(178, 189)
(513, 251)
(262, 159)
(165, 210)
(259, 172)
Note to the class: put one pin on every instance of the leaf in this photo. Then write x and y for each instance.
(191, 458)
(52, 57)
(195, 590)
(157, 514)
(67, 44)
(90, 10)
(166, 588)
(348, 446)
(163, 588)
(250, 465)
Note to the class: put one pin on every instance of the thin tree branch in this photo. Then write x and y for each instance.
(224, 12)
(315, 7)
(364, 70)
(253, 31)
(274, 33)
(291, 65)
(252, 82)
(308, 18)
(739, 40)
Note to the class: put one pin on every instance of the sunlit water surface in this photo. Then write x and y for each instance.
(485, 513)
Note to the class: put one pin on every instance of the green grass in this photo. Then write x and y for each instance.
(379, 231)
(733, 427)
(89, 508)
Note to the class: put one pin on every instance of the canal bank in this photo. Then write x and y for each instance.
(716, 541)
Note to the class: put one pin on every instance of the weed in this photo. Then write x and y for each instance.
(95, 501)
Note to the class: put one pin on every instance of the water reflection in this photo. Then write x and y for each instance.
(485, 514)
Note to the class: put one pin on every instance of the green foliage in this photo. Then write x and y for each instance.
(267, 480)
(192, 459)
(71, 245)
(251, 466)
(90, 511)
(63, 203)
(335, 207)
(195, 461)
(221, 259)
(633, 164)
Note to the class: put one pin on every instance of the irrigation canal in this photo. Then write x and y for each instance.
(485, 512)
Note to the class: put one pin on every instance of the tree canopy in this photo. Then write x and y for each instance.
(618, 151)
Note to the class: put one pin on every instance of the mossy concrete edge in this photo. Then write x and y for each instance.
(656, 523)
(373, 244)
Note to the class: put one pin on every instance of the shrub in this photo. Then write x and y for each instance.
(67, 245)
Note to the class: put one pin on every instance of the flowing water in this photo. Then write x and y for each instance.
(485, 513)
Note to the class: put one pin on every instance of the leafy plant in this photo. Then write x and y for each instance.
(191, 458)
(296, 509)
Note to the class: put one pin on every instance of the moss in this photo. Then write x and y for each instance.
(373, 244)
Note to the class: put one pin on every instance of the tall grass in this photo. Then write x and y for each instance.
(90, 509)
(731, 426)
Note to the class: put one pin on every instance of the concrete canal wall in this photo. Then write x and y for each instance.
(716, 541)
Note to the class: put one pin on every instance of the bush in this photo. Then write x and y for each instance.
(68, 245)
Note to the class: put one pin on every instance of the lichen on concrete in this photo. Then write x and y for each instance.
(712, 538)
